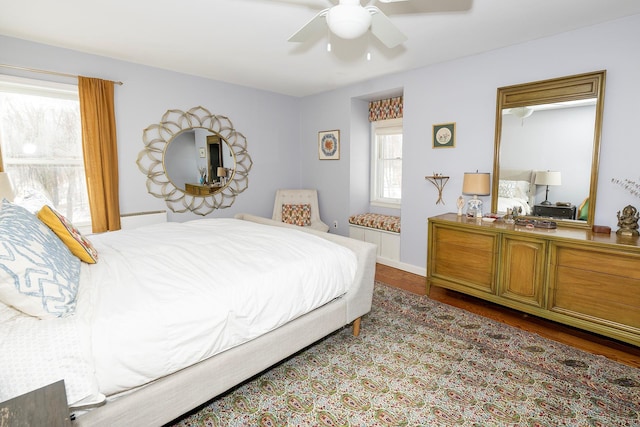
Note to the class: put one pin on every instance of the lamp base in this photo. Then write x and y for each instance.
(474, 207)
(546, 198)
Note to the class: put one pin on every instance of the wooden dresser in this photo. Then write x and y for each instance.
(572, 276)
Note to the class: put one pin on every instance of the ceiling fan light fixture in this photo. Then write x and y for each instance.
(348, 20)
(521, 112)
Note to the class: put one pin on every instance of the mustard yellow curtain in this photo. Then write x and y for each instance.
(99, 146)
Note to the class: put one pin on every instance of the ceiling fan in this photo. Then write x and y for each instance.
(350, 20)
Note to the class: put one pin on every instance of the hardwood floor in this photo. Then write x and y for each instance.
(593, 343)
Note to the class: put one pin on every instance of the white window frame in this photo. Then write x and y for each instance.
(52, 89)
(380, 127)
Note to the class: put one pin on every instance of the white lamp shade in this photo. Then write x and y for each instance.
(348, 20)
(548, 178)
(476, 184)
(6, 187)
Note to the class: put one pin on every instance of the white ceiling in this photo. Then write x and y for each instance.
(245, 41)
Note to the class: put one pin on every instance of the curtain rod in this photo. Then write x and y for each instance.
(35, 70)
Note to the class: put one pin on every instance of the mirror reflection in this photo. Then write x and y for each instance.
(545, 158)
(547, 148)
(194, 161)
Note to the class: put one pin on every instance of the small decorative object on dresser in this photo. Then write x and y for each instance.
(628, 222)
(329, 145)
(460, 205)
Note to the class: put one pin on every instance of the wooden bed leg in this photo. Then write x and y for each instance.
(356, 327)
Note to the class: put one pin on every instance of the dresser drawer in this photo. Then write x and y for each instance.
(464, 258)
(596, 285)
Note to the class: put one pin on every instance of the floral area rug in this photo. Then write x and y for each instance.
(418, 362)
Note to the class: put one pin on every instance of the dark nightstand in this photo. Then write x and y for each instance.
(554, 211)
(46, 406)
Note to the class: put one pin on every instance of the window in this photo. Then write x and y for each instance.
(41, 145)
(386, 164)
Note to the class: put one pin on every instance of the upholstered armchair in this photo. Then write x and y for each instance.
(299, 207)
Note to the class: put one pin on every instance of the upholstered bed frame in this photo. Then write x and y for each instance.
(169, 397)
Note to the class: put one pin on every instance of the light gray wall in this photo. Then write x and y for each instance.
(269, 121)
(464, 91)
(282, 131)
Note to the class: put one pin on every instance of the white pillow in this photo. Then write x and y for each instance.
(33, 201)
(513, 189)
(38, 273)
(506, 188)
(8, 313)
(522, 190)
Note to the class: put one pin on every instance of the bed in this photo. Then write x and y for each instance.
(172, 315)
(516, 190)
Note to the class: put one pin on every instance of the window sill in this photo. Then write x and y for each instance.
(386, 204)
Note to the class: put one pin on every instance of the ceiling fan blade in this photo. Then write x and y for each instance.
(384, 29)
(317, 25)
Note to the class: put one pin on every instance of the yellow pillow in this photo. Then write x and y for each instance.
(70, 235)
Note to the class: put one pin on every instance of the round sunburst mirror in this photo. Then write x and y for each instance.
(194, 160)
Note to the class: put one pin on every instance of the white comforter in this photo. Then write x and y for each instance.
(166, 296)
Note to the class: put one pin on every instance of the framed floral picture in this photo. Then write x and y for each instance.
(329, 145)
(444, 135)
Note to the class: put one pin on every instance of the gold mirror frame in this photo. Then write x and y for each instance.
(151, 160)
(571, 88)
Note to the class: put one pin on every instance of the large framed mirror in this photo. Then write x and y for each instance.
(547, 148)
(194, 160)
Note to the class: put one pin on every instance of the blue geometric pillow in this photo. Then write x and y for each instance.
(38, 273)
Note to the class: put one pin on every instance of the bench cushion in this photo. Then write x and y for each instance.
(381, 222)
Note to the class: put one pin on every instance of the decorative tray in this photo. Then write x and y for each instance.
(536, 223)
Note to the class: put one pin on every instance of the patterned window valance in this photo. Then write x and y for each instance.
(385, 109)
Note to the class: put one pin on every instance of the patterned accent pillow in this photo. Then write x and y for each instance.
(38, 274)
(79, 245)
(297, 214)
(506, 189)
(513, 189)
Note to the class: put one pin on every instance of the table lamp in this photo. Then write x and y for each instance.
(547, 178)
(221, 173)
(475, 184)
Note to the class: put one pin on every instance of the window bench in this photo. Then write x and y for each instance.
(381, 230)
